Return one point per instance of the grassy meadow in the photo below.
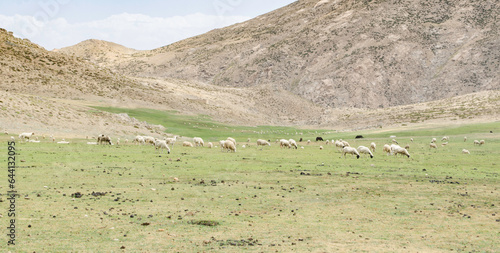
(128, 198)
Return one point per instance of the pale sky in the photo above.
(146, 24)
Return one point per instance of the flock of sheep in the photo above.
(229, 145)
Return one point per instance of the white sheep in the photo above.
(162, 144)
(25, 136)
(411, 139)
(407, 147)
(187, 144)
(229, 146)
(373, 146)
(345, 143)
(365, 150)
(171, 141)
(399, 150)
(445, 138)
(221, 143)
(261, 142)
(387, 149)
(231, 139)
(349, 150)
(465, 151)
(465, 138)
(394, 141)
(149, 140)
(284, 143)
(210, 145)
(198, 141)
(444, 143)
(118, 141)
(308, 142)
(320, 147)
(433, 140)
(481, 142)
(12, 138)
(139, 140)
(432, 145)
(339, 144)
(293, 143)
(476, 142)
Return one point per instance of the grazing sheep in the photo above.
(411, 139)
(221, 143)
(231, 139)
(104, 139)
(481, 142)
(149, 140)
(284, 143)
(373, 146)
(162, 144)
(340, 145)
(433, 140)
(349, 150)
(394, 141)
(210, 145)
(432, 145)
(171, 141)
(198, 141)
(476, 142)
(327, 142)
(465, 151)
(308, 142)
(25, 136)
(319, 139)
(139, 140)
(261, 142)
(365, 150)
(445, 138)
(465, 138)
(12, 138)
(320, 147)
(187, 144)
(407, 146)
(444, 144)
(293, 143)
(346, 144)
(399, 150)
(229, 146)
(387, 149)
(248, 140)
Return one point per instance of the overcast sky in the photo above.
(146, 24)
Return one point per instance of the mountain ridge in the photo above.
(363, 54)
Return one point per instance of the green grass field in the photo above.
(258, 199)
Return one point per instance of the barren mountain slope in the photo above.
(364, 54)
(103, 53)
(28, 68)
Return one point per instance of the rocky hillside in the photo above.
(344, 53)
(30, 69)
(102, 53)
